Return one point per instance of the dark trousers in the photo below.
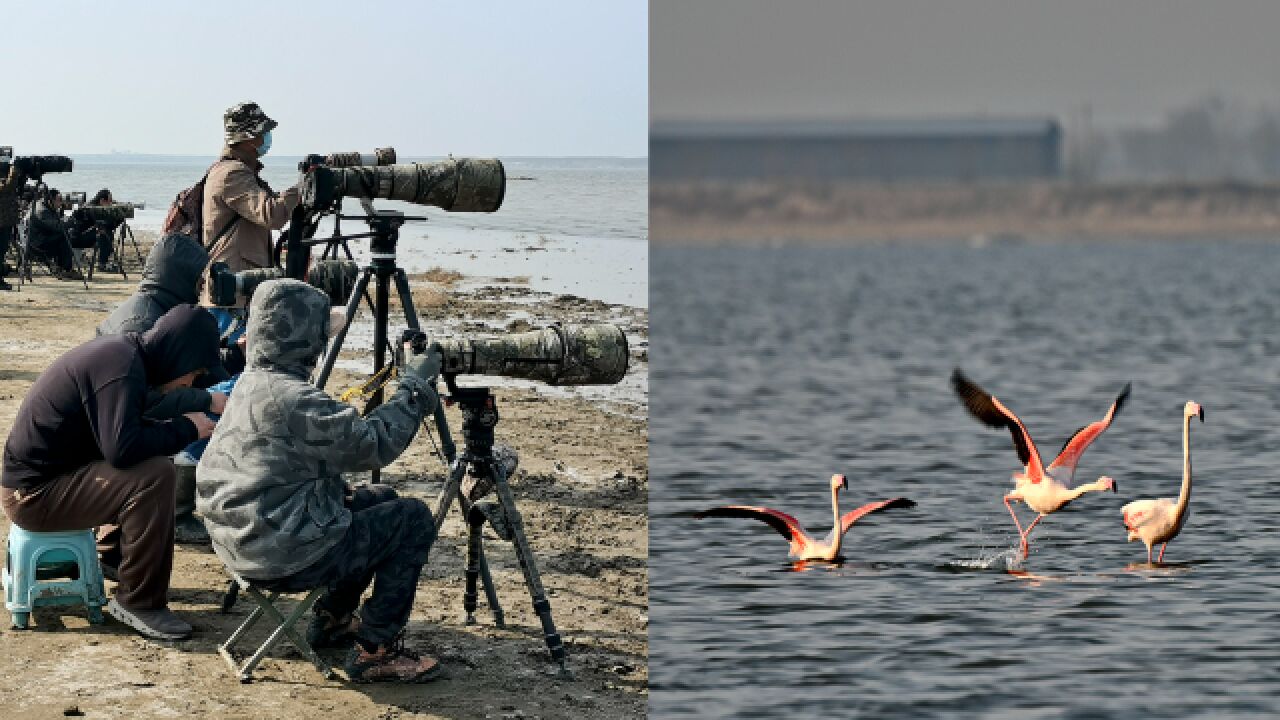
(138, 499)
(7, 235)
(387, 544)
(94, 237)
(56, 249)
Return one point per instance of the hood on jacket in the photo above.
(174, 266)
(182, 340)
(288, 327)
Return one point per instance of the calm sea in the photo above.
(567, 225)
(774, 368)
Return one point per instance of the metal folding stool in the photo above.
(283, 627)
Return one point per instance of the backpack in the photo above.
(186, 213)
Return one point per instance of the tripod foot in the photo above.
(470, 619)
(498, 619)
(562, 671)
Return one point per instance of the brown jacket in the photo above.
(234, 188)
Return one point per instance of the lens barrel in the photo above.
(455, 185)
(556, 355)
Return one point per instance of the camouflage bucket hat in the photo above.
(244, 121)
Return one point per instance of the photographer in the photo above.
(240, 208)
(11, 182)
(271, 490)
(85, 232)
(47, 235)
(169, 278)
(81, 454)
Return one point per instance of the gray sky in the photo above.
(1131, 59)
(500, 77)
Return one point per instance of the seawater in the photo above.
(775, 367)
(567, 225)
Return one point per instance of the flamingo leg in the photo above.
(1022, 536)
(1148, 554)
(1162, 547)
(1026, 546)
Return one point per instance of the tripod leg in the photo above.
(490, 592)
(524, 554)
(331, 355)
(75, 262)
(447, 445)
(474, 527)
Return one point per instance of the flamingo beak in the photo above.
(1201, 413)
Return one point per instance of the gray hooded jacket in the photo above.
(269, 485)
(169, 278)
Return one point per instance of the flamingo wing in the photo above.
(991, 412)
(1080, 441)
(849, 518)
(787, 526)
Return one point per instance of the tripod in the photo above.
(382, 268)
(118, 250)
(479, 417)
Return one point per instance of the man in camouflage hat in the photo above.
(240, 208)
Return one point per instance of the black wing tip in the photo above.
(1123, 397)
(901, 502)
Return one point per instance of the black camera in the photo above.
(335, 278)
(35, 166)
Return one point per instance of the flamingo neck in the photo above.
(1095, 486)
(835, 511)
(1184, 495)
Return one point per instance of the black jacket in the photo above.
(45, 228)
(87, 406)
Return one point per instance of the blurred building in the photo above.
(873, 150)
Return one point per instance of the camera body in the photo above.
(334, 278)
(74, 198)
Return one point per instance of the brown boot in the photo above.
(391, 663)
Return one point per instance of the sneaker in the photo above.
(328, 631)
(391, 663)
(4, 285)
(72, 274)
(189, 530)
(159, 624)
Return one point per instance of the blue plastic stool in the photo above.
(35, 559)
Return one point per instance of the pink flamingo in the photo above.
(1159, 521)
(1043, 490)
(803, 545)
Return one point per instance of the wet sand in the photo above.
(582, 490)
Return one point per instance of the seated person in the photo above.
(85, 232)
(81, 454)
(47, 235)
(271, 491)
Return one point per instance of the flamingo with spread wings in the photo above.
(803, 545)
(1044, 490)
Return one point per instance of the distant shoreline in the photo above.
(770, 212)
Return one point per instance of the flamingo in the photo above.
(1160, 520)
(803, 545)
(1044, 490)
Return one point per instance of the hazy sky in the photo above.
(500, 77)
(1131, 59)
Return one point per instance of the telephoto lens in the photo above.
(556, 355)
(455, 185)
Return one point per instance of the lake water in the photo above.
(567, 225)
(773, 368)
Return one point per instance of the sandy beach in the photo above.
(766, 212)
(582, 489)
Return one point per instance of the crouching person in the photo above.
(270, 488)
(81, 454)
